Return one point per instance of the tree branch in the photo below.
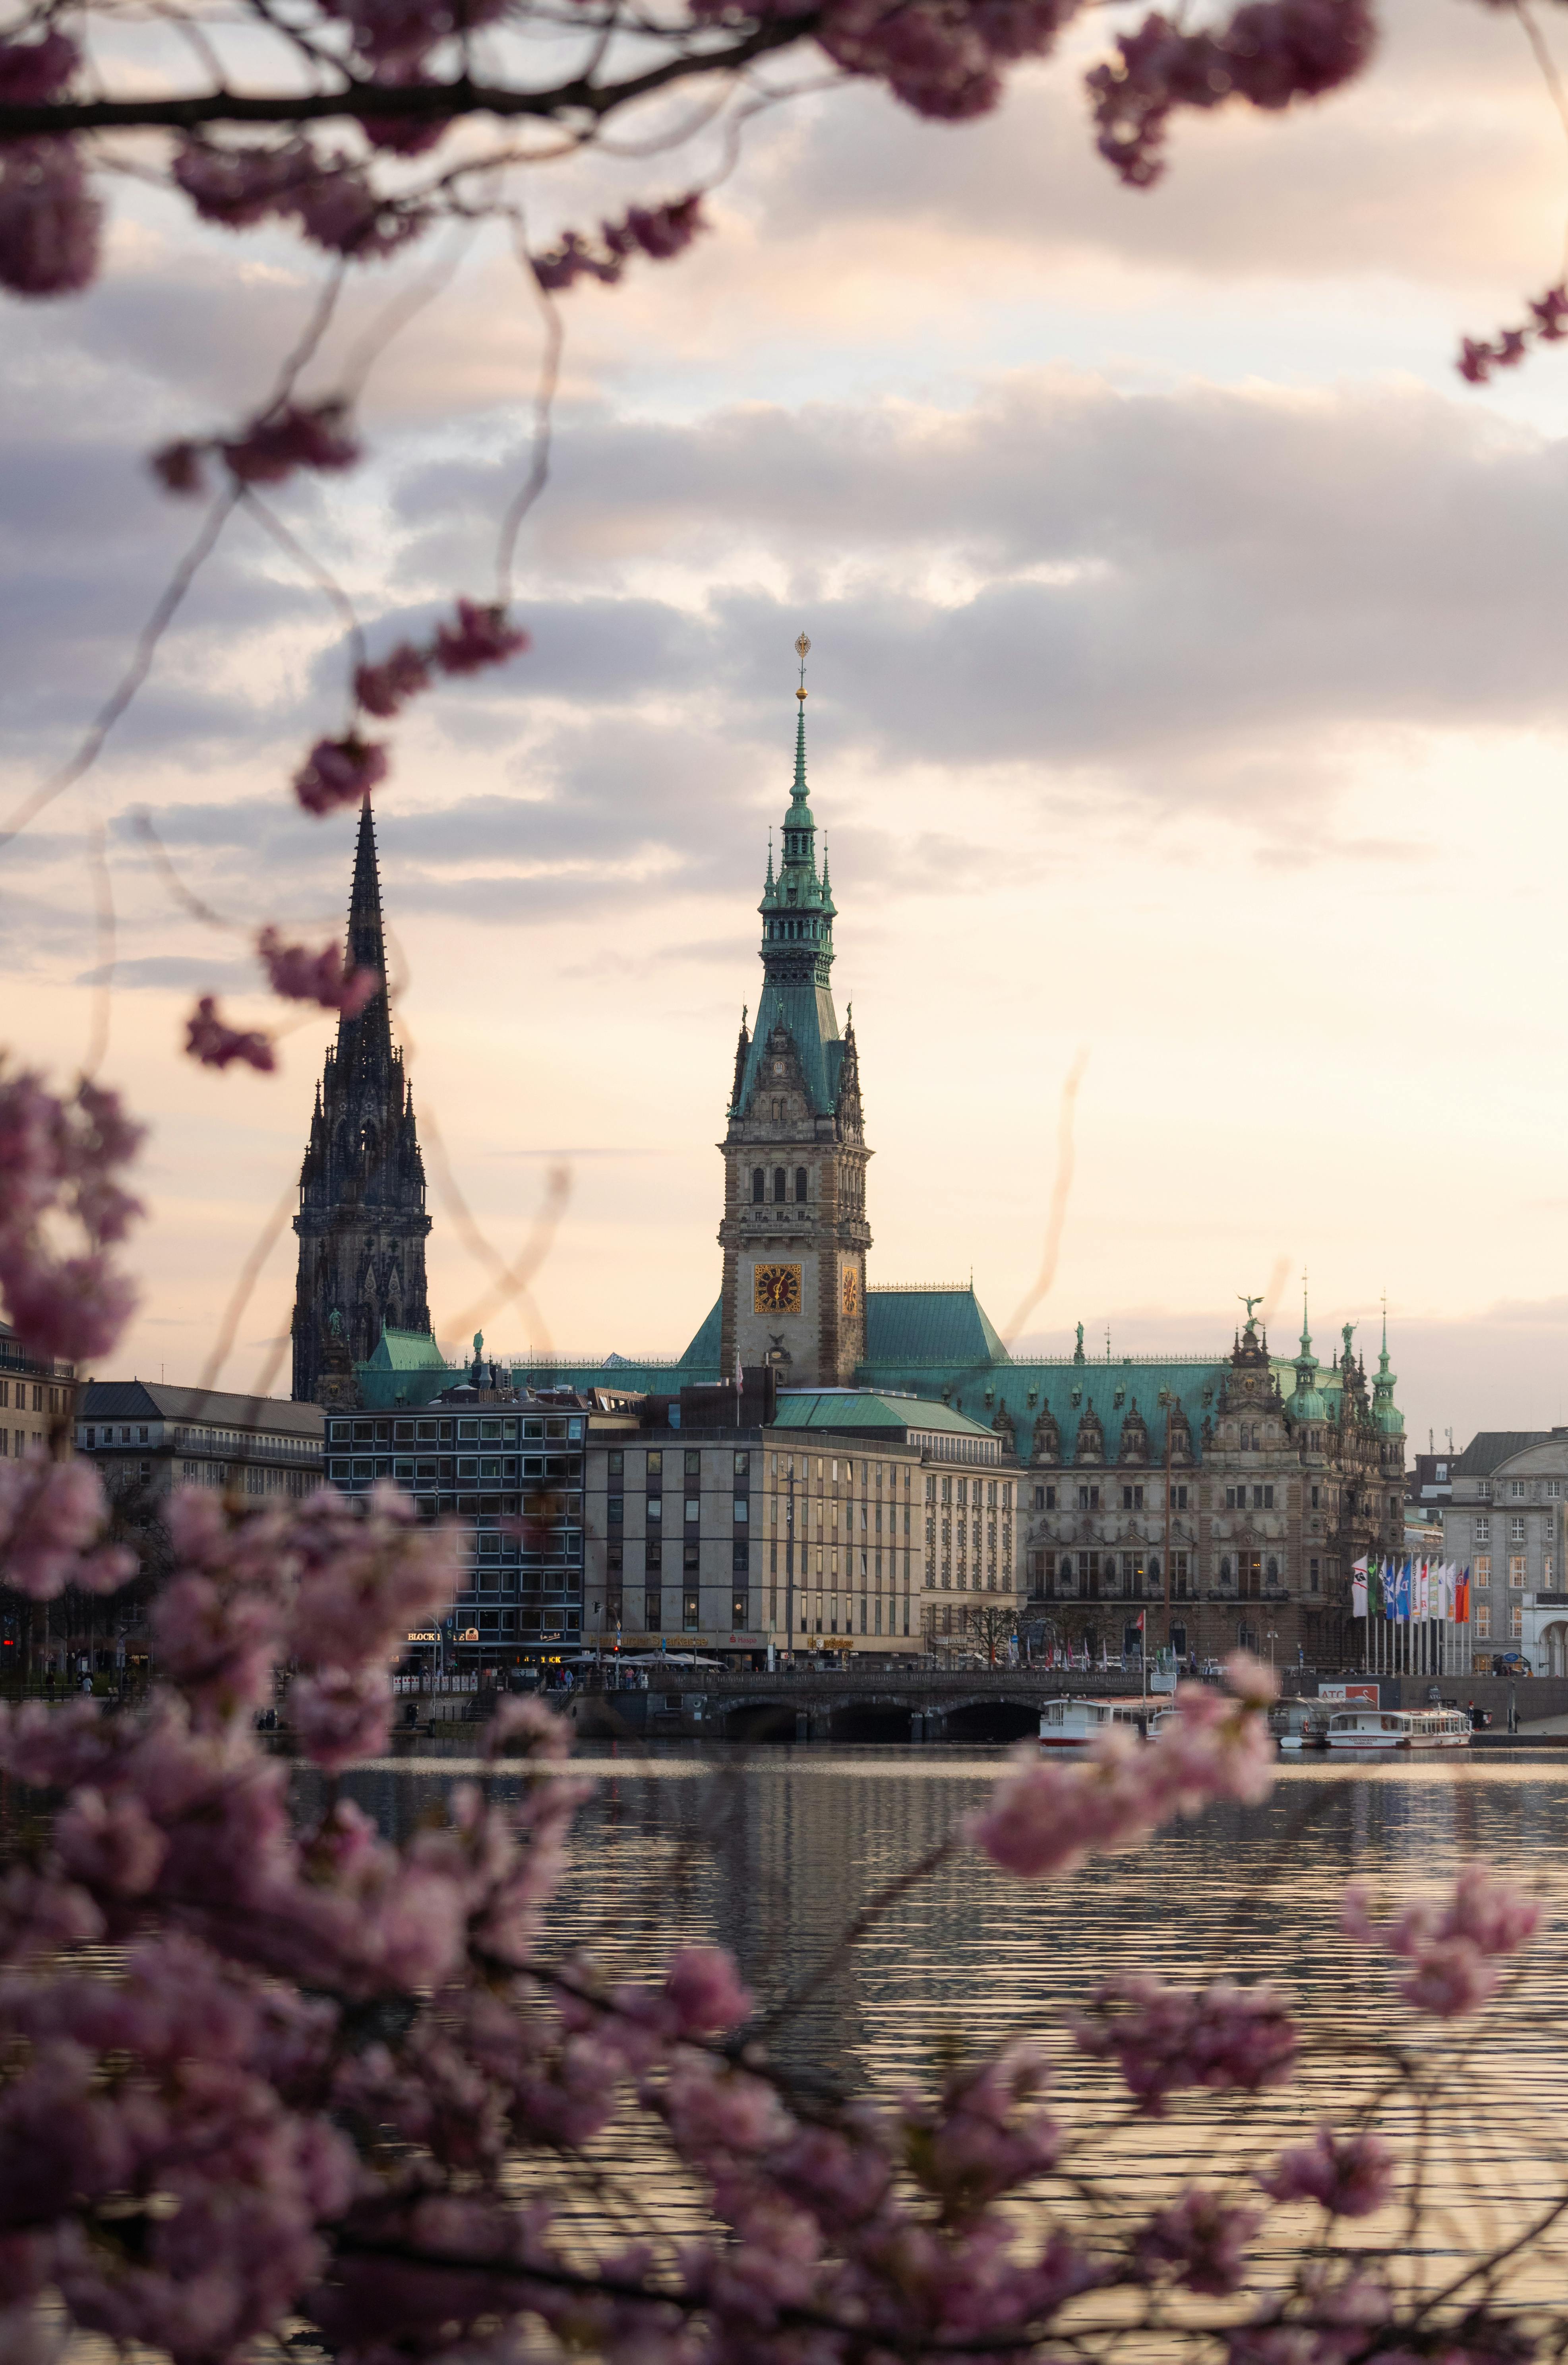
(401, 101)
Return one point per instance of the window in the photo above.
(738, 1611)
(615, 1512)
(1516, 1622)
(655, 1469)
(740, 1559)
(1483, 1531)
(1178, 1499)
(693, 1509)
(1313, 1577)
(1088, 1499)
(1044, 1498)
(1515, 1532)
(1482, 1568)
(615, 1463)
(1516, 1572)
(758, 1186)
(689, 1609)
(1482, 1613)
(800, 1185)
(779, 1179)
(652, 1618)
(743, 1466)
(1132, 1498)
(1553, 1489)
(694, 1465)
(1314, 1505)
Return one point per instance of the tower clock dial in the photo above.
(777, 1289)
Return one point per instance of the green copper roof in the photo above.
(406, 1351)
(704, 1348)
(797, 911)
(866, 1411)
(910, 1326)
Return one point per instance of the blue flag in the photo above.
(1403, 1611)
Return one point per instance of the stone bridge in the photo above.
(811, 1704)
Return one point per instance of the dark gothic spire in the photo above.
(362, 1220)
(364, 1044)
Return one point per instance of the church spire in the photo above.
(368, 1037)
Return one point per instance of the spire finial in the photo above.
(803, 650)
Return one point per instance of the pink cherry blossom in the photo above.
(31, 71)
(660, 232)
(341, 1714)
(480, 637)
(338, 772)
(1350, 2175)
(216, 1044)
(51, 1521)
(300, 975)
(49, 220)
(1200, 2239)
(1221, 2036)
(1452, 1945)
(383, 690)
(299, 435)
(111, 1846)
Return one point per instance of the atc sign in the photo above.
(1358, 1695)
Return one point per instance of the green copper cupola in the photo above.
(1386, 1414)
(798, 914)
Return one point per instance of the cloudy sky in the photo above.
(1188, 692)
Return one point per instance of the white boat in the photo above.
(1299, 1724)
(1074, 1723)
(1399, 1728)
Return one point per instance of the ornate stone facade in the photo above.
(1254, 1525)
(794, 1233)
(362, 1220)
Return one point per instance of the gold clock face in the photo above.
(777, 1288)
(851, 1292)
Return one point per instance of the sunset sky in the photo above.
(1188, 689)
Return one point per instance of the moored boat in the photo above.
(1074, 1723)
(1399, 1728)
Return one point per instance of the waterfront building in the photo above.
(145, 1440)
(835, 1520)
(362, 1220)
(1241, 1485)
(1505, 1524)
(507, 1466)
(35, 1393)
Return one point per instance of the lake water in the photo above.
(773, 1853)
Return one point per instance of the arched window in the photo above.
(801, 1183)
(779, 1182)
(758, 1186)
(1273, 1570)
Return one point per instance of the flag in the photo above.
(1141, 1621)
(1358, 1589)
(738, 1380)
(1421, 1607)
(1401, 1602)
(1462, 1599)
(1377, 1592)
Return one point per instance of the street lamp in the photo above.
(1272, 1638)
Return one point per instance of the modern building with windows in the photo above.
(508, 1467)
(1506, 1523)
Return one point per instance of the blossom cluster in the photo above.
(61, 1157)
(1547, 325)
(331, 197)
(268, 451)
(213, 1043)
(1271, 52)
(341, 771)
(1049, 1814)
(297, 974)
(1455, 1948)
(660, 232)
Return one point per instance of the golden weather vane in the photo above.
(803, 650)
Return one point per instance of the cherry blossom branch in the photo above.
(425, 101)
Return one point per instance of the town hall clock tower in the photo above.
(794, 1233)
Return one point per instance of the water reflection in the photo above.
(772, 1855)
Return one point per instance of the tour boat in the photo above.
(1399, 1728)
(1299, 1724)
(1074, 1723)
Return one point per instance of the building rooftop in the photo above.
(1491, 1446)
(865, 1412)
(219, 1407)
